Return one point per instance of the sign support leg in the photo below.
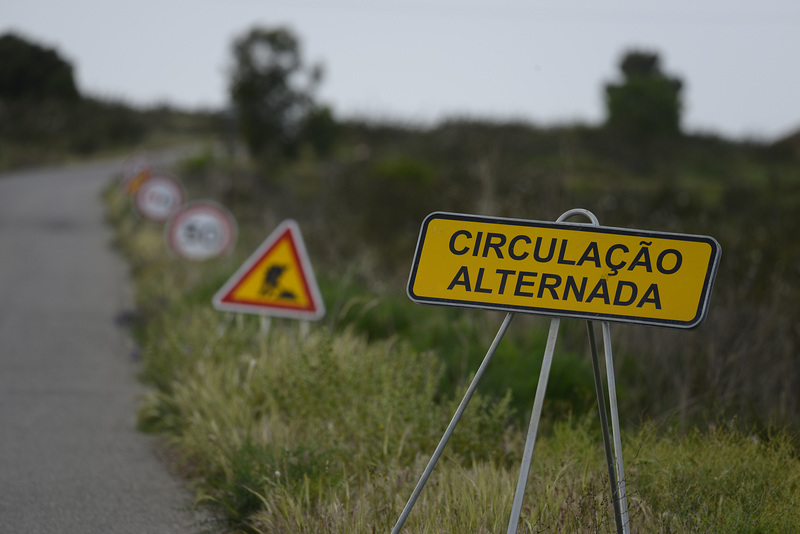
(601, 404)
(451, 427)
(533, 427)
(264, 324)
(612, 398)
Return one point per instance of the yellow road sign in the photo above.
(276, 280)
(564, 269)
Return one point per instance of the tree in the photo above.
(648, 102)
(33, 72)
(271, 91)
(320, 130)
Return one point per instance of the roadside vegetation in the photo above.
(329, 433)
(282, 431)
(46, 119)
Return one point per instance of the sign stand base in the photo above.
(616, 476)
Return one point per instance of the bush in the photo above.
(647, 103)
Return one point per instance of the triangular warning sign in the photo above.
(275, 280)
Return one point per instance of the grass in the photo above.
(722, 481)
(330, 431)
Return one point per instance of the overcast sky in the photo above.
(422, 60)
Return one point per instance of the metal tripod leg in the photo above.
(451, 427)
(601, 404)
(612, 398)
(533, 427)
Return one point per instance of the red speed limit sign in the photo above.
(201, 230)
(159, 197)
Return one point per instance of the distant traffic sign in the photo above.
(158, 197)
(201, 230)
(564, 269)
(135, 171)
(276, 280)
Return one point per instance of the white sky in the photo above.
(422, 60)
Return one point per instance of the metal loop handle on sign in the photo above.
(579, 211)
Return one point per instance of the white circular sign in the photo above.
(159, 197)
(201, 230)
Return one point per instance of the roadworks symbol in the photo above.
(276, 280)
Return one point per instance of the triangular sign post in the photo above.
(276, 280)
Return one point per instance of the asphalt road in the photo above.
(71, 460)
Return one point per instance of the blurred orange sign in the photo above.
(135, 171)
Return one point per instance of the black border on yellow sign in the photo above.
(702, 309)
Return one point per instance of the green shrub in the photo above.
(721, 481)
